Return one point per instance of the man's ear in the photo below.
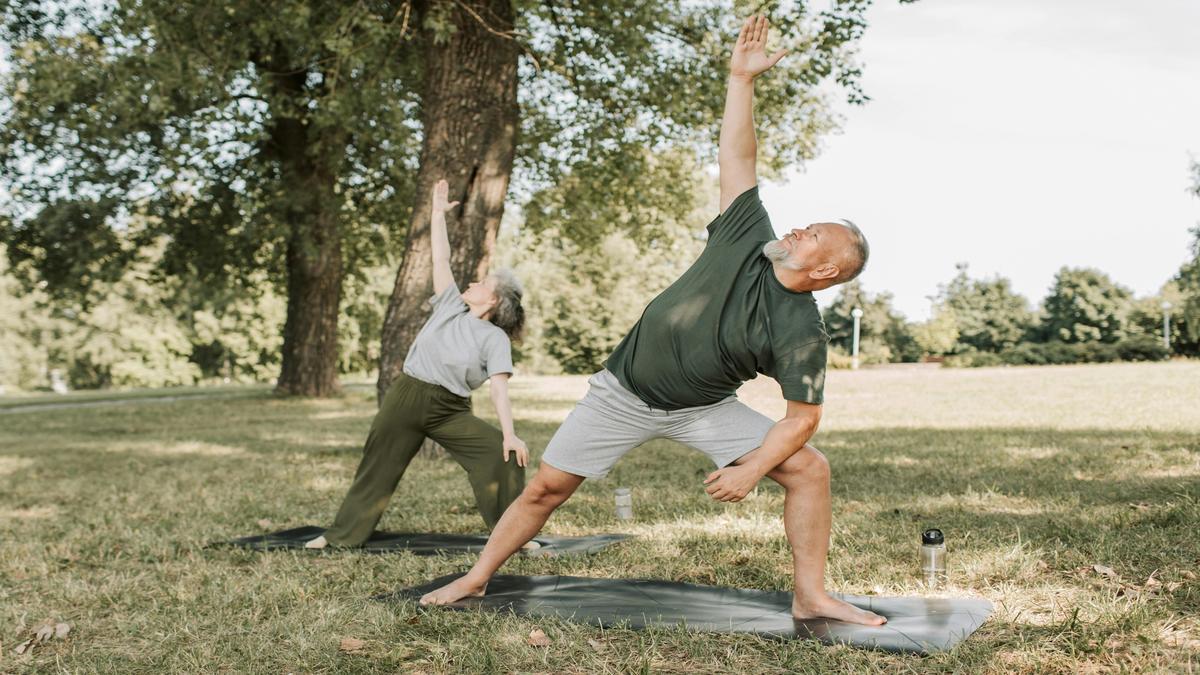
(824, 271)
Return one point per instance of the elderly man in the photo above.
(744, 307)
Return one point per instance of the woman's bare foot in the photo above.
(317, 543)
(462, 587)
(831, 608)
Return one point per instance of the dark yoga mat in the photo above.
(917, 625)
(425, 544)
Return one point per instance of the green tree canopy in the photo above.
(987, 315)
(1085, 305)
(882, 327)
(300, 139)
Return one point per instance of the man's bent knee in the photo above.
(807, 465)
(550, 487)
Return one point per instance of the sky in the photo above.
(1017, 136)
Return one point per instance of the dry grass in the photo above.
(1036, 475)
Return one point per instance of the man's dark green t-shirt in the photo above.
(727, 318)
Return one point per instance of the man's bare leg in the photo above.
(522, 520)
(808, 519)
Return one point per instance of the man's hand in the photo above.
(750, 58)
(516, 446)
(732, 483)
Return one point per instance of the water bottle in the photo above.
(624, 501)
(933, 558)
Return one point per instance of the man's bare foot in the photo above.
(828, 607)
(454, 591)
(318, 543)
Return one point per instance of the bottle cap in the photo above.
(932, 537)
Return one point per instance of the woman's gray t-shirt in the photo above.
(455, 349)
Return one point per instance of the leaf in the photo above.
(23, 647)
(1188, 574)
(1106, 571)
(61, 630)
(43, 633)
(597, 646)
(537, 638)
(351, 645)
(414, 620)
(265, 523)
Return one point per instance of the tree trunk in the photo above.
(470, 117)
(312, 211)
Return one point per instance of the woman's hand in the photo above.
(516, 445)
(441, 191)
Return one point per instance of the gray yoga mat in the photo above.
(425, 544)
(915, 625)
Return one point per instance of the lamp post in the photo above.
(857, 314)
(1166, 308)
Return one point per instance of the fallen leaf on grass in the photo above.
(1106, 571)
(351, 645)
(42, 634)
(264, 523)
(414, 620)
(1151, 582)
(1188, 574)
(537, 638)
(597, 646)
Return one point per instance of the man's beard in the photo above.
(777, 253)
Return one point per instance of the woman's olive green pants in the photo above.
(412, 410)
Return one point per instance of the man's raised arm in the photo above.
(738, 149)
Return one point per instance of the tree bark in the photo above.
(312, 211)
(470, 117)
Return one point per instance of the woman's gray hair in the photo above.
(508, 313)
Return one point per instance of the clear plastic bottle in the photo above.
(933, 558)
(624, 499)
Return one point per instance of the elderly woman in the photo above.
(465, 341)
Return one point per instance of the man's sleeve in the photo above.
(746, 216)
(498, 354)
(800, 370)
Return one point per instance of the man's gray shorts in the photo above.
(610, 421)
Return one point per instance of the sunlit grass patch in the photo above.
(1039, 477)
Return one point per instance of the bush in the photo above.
(1056, 352)
(1024, 354)
(871, 351)
(1142, 348)
(973, 359)
(1097, 352)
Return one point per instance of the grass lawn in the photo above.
(1037, 475)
